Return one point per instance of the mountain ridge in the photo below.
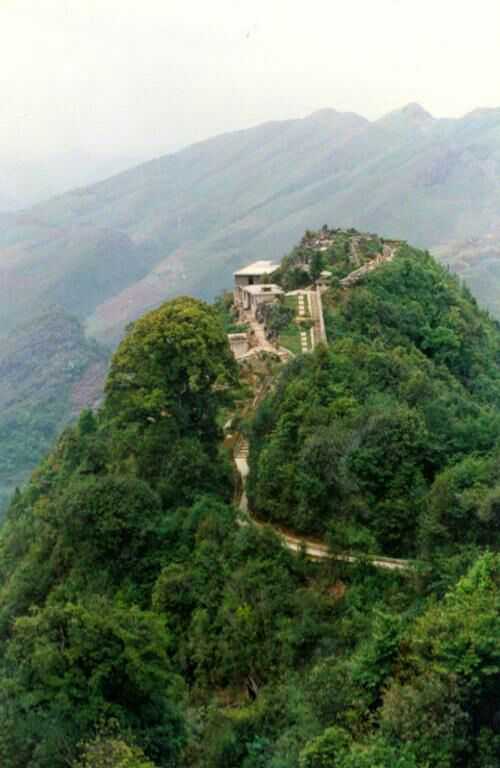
(144, 622)
(186, 220)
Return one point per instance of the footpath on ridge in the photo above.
(312, 549)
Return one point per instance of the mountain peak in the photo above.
(416, 111)
(412, 116)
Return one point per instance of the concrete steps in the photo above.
(242, 450)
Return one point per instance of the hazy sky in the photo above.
(141, 76)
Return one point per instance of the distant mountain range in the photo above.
(184, 222)
(26, 181)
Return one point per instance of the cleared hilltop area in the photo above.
(279, 307)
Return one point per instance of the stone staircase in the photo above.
(242, 449)
(358, 274)
(318, 333)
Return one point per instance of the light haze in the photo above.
(132, 79)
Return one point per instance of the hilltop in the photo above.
(406, 390)
(183, 222)
(145, 623)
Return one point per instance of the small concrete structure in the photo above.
(255, 295)
(252, 287)
(254, 274)
(239, 344)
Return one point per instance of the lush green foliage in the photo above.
(142, 626)
(224, 306)
(83, 546)
(168, 366)
(112, 752)
(364, 440)
(275, 317)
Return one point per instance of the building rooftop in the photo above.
(258, 268)
(258, 290)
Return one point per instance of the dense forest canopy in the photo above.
(362, 439)
(143, 626)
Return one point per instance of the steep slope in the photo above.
(358, 441)
(477, 261)
(143, 626)
(49, 371)
(183, 222)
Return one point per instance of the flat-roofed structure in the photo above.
(257, 273)
(252, 286)
(257, 270)
(253, 296)
(239, 344)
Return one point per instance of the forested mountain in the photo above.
(370, 440)
(142, 624)
(49, 371)
(183, 222)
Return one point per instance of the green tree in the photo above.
(68, 666)
(175, 363)
(111, 752)
(108, 521)
(327, 750)
(316, 265)
(378, 753)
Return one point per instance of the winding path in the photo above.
(312, 549)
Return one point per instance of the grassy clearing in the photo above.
(292, 302)
(290, 338)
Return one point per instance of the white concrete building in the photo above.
(252, 287)
(254, 295)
